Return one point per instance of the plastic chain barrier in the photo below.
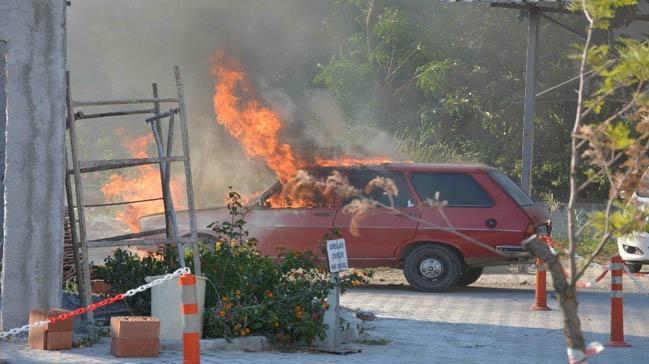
(636, 281)
(94, 306)
(581, 284)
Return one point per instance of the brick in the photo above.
(61, 340)
(59, 326)
(134, 327)
(135, 348)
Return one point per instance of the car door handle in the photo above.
(322, 214)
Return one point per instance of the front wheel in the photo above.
(634, 267)
(469, 276)
(432, 268)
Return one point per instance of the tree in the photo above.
(609, 140)
(441, 78)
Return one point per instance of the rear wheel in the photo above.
(469, 276)
(634, 267)
(432, 268)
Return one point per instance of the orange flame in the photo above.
(255, 126)
(142, 184)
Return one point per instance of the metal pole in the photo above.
(86, 299)
(188, 172)
(529, 103)
(164, 180)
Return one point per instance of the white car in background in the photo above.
(634, 248)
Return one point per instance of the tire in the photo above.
(442, 266)
(634, 267)
(469, 276)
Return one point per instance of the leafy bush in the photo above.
(124, 271)
(283, 300)
(247, 293)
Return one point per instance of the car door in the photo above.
(382, 231)
(297, 228)
(489, 218)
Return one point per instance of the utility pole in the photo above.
(529, 103)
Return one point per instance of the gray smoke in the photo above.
(118, 48)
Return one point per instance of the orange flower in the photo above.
(221, 313)
(268, 294)
(247, 330)
(326, 306)
(225, 298)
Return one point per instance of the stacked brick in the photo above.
(53, 336)
(135, 336)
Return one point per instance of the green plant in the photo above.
(124, 271)
(282, 300)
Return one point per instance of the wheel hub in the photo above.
(431, 268)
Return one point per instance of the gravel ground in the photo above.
(490, 321)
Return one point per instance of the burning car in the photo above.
(481, 203)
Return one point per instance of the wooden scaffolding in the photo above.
(74, 181)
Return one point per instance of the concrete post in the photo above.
(34, 31)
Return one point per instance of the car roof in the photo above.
(414, 167)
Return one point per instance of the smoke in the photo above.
(116, 49)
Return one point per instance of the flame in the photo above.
(256, 126)
(143, 183)
(349, 161)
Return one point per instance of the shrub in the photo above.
(124, 271)
(247, 293)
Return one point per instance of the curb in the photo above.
(250, 343)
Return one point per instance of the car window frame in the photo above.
(380, 172)
(486, 192)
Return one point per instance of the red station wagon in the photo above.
(482, 203)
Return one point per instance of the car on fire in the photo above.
(480, 202)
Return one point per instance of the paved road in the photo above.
(468, 325)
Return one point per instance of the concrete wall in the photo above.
(34, 31)
(3, 128)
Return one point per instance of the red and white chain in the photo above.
(94, 306)
(582, 284)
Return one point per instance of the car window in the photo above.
(455, 188)
(360, 179)
(512, 189)
(277, 197)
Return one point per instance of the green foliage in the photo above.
(124, 271)
(248, 293)
(441, 78)
(600, 11)
(282, 300)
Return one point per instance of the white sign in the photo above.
(337, 255)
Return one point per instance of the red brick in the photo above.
(51, 340)
(59, 326)
(135, 348)
(134, 327)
